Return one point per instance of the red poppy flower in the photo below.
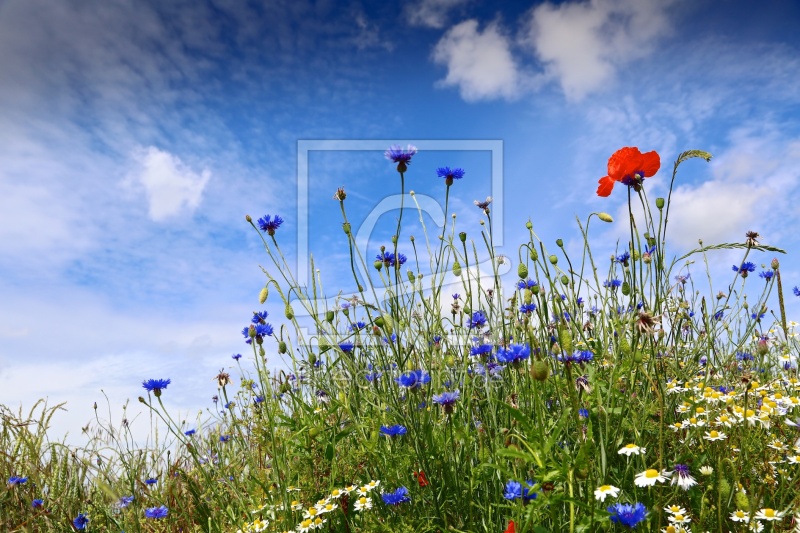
(628, 166)
(421, 479)
(511, 527)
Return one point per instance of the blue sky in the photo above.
(134, 136)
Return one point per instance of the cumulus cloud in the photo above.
(171, 187)
(583, 43)
(431, 13)
(478, 62)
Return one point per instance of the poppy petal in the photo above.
(624, 162)
(605, 187)
(511, 527)
(650, 163)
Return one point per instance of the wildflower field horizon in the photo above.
(590, 395)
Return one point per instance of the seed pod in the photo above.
(560, 243)
(540, 370)
(626, 288)
(378, 265)
(724, 489)
(534, 255)
(346, 228)
(605, 217)
(535, 289)
(289, 312)
(529, 225)
(565, 339)
(329, 316)
(462, 236)
(312, 357)
(553, 259)
(774, 263)
(522, 271)
(281, 347)
(660, 203)
(741, 501)
(261, 351)
(565, 280)
(457, 269)
(262, 296)
(379, 321)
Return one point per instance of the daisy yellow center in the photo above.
(769, 513)
(605, 488)
(723, 418)
(651, 473)
(679, 517)
(750, 413)
(312, 511)
(739, 514)
(670, 529)
(335, 493)
(318, 521)
(362, 501)
(699, 410)
(329, 507)
(693, 420)
(674, 508)
(630, 446)
(294, 502)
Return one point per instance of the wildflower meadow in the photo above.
(611, 389)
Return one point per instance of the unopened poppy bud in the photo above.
(411, 277)
(262, 296)
(457, 269)
(462, 236)
(553, 259)
(605, 217)
(660, 203)
(535, 289)
(774, 263)
(346, 228)
(522, 271)
(534, 255)
(378, 265)
(289, 312)
(560, 243)
(394, 239)
(379, 321)
(329, 316)
(281, 347)
(248, 218)
(626, 288)
(565, 280)
(529, 225)
(312, 357)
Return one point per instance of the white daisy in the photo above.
(363, 503)
(631, 449)
(769, 514)
(740, 516)
(715, 435)
(650, 477)
(600, 493)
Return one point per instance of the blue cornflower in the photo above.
(515, 353)
(397, 497)
(263, 330)
(259, 318)
(388, 258)
(156, 512)
(224, 438)
(401, 156)
(623, 258)
(481, 349)
(447, 400)
(229, 405)
(236, 356)
(682, 279)
(766, 274)
(124, 501)
(579, 301)
(391, 338)
(526, 284)
(269, 224)
(450, 174)
(258, 399)
(393, 431)
(477, 320)
(37, 503)
(718, 315)
(372, 376)
(413, 380)
(246, 334)
(578, 357)
(345, 305)
(190, 432)
(796, 291)
(758, 316)
(627, 514)
(744, 356)
(514, 490)
(745, 268)
(527, 309)
(16, 480)
(583, 413)
(151, 481)
(612, 283)
(346, 347)
(437, 339)
(80, 521)
(358, 325)
(456, 296)
(156, 385)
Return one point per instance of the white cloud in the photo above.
(171, 187)
(479, 63)
(583, 43)
(431, 13)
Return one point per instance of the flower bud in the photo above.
(261, 351)
(535, 289)
(312, 357)
(626, 288)
(378, 265)
(560, 243)
(553, 259)
(289, 312)
(462, 236)
(281, 347)
(565, 339)
(660, 203)
(529, 225)
(346, 228)
(411, 277)
(262, 296)
(605, 217)
(522, 271)
(329, 316)
(534, 255)
(774, 263)
(394, 239)
(457, 269)
(540, 370)
(248, 218)
(379, 321)
(346, 311)
(565, 280)
(285, 387)
(141, 400)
